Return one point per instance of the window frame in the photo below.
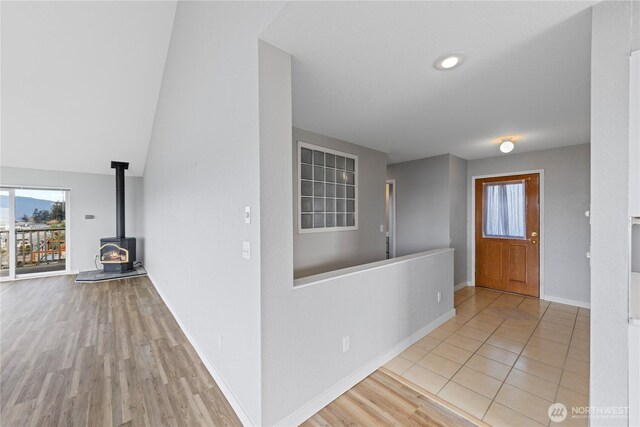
(524, 209)
(301, 145)
(11, 188)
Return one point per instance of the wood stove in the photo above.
(117, 254)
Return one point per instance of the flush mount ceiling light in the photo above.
(448, 62)
(507, 146)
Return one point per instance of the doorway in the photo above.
(507, 233)
(390, 227)
(33, 231)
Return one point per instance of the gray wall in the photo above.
(431, 207)
(458, 215)
(635, 45)
(315, 253)
(302, 327)
(90, 194)
(635, 30)
(202, 169)
(610, 50)
(566, 229)
(422, 204)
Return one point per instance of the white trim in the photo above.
(12, 232)
(392, 219)
(301, 145)
(34, 187)
(67, 232)
(634, 375)
(566, 301)
(305, 412)
(542, 239)
(30, 276)
(11, 241)
(462, 285)
(307, 281)
(244, 417)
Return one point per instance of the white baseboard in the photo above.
(461, 285)
(305, 412)
(565, 301)
(542, 297)
(233, 401)
(308, 410)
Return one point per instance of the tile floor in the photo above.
(504, 358)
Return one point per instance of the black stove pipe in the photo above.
(120, 167)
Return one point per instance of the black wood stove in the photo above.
(117, 254)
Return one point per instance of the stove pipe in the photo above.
(120, 167)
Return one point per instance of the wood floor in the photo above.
(380, 400)
(111, 354)
(104, 354)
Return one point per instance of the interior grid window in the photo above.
(327, 189)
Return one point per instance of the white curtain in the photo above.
(504, 210)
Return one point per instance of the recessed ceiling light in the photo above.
(448, 62)
(507, 146)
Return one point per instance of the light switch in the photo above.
(247, 214)
(246, 250)
(345, 344)
(381, 228)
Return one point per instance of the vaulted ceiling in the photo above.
(80, 82)
(364, 72)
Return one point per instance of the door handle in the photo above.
(533, 240)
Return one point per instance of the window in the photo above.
(503, 213)
(33, 231)
(327, 189)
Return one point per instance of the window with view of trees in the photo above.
(34, 235)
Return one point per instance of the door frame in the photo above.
(392, 218)
(542, 239)
(67, 234)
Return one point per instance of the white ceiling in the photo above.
(363, 72)
(80, 82)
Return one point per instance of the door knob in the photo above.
(534, 241)
(534, 234)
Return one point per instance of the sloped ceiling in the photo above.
(80, 82)
(363, 72)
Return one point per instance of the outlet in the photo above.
(345, 344)
(439, 296)
(246, 250)
(247, 214)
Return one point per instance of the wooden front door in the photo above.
(508, 233)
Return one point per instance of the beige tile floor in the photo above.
(504, 358)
